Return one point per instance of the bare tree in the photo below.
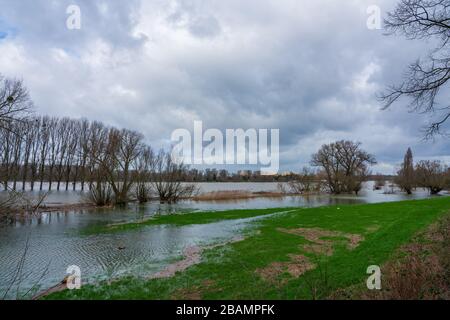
(78, 135)
(355, 163)
(144, 165)
(122, 150)
(55, 144)
(115, 156)
(14, 102)
(17, 150)
(129, 150)
(405, 177)
(345, 165)
(167, 179)
(431, 175)
(305, 181)
(100, 190)
(6, 136)
(427, 20)
(60, 138)
(36, 143)
(72, 145)
(44, 149)
(28, 141)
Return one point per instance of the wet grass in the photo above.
(230, 272)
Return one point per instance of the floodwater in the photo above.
(367, 195)
(52, 242)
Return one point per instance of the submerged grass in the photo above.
(184, 219)
(231, 271)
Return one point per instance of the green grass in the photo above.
(229, 272)
(184, 219)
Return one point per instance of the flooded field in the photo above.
(48, 244)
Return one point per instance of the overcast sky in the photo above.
(310, 68)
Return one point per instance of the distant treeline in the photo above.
(62, 153)
(48, 153)
(57, 154)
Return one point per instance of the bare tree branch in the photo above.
(424, 79)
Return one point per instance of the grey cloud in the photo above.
(43, 22)
(310, 68)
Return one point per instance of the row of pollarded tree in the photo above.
(430, 174)
(44, 149)
(115, 165)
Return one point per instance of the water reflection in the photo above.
(52, 248)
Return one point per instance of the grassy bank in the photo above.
(302, 254)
